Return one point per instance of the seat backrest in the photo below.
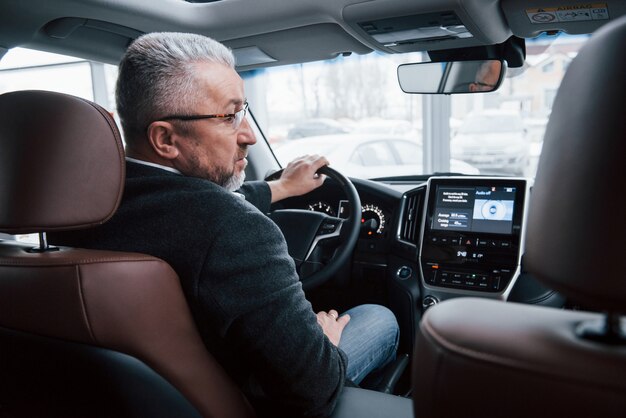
(87, 332)
(475, 357)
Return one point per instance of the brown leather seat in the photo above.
(480, 358)
(84, 332)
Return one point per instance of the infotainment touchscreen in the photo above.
(474, 209)
(472, 232)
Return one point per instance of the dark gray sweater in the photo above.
(239, 280)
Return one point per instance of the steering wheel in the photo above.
(320, 244)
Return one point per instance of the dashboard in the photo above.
(426, 241)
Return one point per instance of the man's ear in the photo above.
(160, 137)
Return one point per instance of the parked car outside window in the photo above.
(494, 141)
(366, 156)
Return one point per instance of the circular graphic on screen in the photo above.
(493, 210)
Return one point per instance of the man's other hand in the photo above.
(298, 178)
(332, 324)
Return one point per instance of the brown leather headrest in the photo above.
(61, 163)
(576, 238)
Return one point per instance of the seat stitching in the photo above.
(53, 262)
(83, 306)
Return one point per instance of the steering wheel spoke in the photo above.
(318, 243)
(329, 229)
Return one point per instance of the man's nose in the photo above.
(246, 134)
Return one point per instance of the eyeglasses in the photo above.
(234, 119)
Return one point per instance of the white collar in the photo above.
(155, 165)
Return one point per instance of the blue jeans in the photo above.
(370, 340)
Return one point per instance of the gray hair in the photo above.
(157, 77)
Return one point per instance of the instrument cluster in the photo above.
(373, 218)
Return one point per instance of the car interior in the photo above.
(508, 289)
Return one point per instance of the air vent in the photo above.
(411, 216)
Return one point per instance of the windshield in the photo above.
(351, 109)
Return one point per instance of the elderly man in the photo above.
(182, 107)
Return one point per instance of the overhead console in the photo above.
(472, 236)
(399, 26)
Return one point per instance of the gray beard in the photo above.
(234, 182)
(229, 181)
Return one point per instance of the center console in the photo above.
(472, 236)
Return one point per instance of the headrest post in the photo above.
(43, 245)
(43, 242)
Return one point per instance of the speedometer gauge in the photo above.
(322, 207)
(375, 218)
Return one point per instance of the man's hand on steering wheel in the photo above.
(298, 178)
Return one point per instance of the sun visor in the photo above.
(530, 18)
(308, 43)
(88, 38)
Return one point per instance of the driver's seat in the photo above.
(86, 332)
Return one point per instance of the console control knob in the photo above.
(429, 301)
(404, 272)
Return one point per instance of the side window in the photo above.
(373, 154)
(25, 69)
(70, 78)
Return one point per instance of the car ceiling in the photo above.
(286, 31)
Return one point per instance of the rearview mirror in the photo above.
(451, 77)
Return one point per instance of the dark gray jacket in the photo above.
(239, 280)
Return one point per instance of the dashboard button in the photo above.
(470, 279)
(434, 240)
(457, 278)
(468, 241)
(505, 244)
(405, 272)
(482, 242)
(429, 301)
(483, 281)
